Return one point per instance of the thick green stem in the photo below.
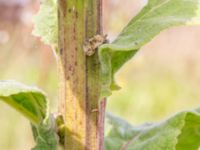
(80, 20)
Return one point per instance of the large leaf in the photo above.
(46, 23)
(30, 101)
(180, 132)
(156, 16)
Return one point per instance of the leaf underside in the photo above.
(30, 101)
(180, 132)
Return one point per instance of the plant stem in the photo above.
(79, 74)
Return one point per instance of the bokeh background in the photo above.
(163, 78)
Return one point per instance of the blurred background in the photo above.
(163, 78)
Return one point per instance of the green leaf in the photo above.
(46, 23)
(180, 132)
(156, 16)
(30, 101)
(45, 135)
